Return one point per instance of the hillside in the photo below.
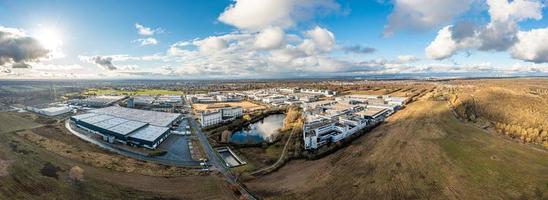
(31, 171)
(421, 152)
(516, 108)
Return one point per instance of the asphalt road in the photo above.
(215, 160)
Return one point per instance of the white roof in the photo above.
(127, 127)
(95, 119)
(83, 116)
(149, 133)
(151, 117)
(56, 109)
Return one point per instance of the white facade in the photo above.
(212, 118)
(232, 112)
(327, 93)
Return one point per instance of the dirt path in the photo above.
(280, 160)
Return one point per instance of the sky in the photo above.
(241, 39)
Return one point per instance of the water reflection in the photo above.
(259, 131)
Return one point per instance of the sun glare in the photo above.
(49, 37)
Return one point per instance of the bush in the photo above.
(157, 153)
(76, 173)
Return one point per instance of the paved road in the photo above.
(215, 159)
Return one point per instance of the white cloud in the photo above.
(500, 34)
(423, 14)
(532, 46)
(146, 41)
(407, 58)
(270, 38)
(502, 10)
(147, 31)
(443, 46)
(211, 44)
(259, 14)
(318, 40)
(56, 67)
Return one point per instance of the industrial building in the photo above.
(97, 101)
(128, 126)
(210, 118)
(49, 110)
(220, 116)
(212, 97)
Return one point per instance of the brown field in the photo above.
(35, 163)
(15, 121)
(517, 108)
(421, 152)
(246, 105)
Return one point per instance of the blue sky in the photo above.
(285, 38)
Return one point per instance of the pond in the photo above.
(260, 131)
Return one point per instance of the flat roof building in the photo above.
(49, 110)
(151, 117)
(128, 126)
(97, 101)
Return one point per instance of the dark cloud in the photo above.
(104, 62)
(498, 36)
(359, 49)
(20, 66)
(462, 30)
(16, 47)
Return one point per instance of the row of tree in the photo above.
(530, 135)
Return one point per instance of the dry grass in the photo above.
(14, 121)
(104, 160)
(28, 180)
(422, 152)
(518, 107)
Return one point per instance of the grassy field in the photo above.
(14, 121)
(149, 92)
(421, 152)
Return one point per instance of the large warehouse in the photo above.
(128, 126)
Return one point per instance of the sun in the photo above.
(49, 37)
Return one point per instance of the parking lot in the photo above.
(177, 148)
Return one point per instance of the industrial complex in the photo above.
(331, 121)
(128, 126)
